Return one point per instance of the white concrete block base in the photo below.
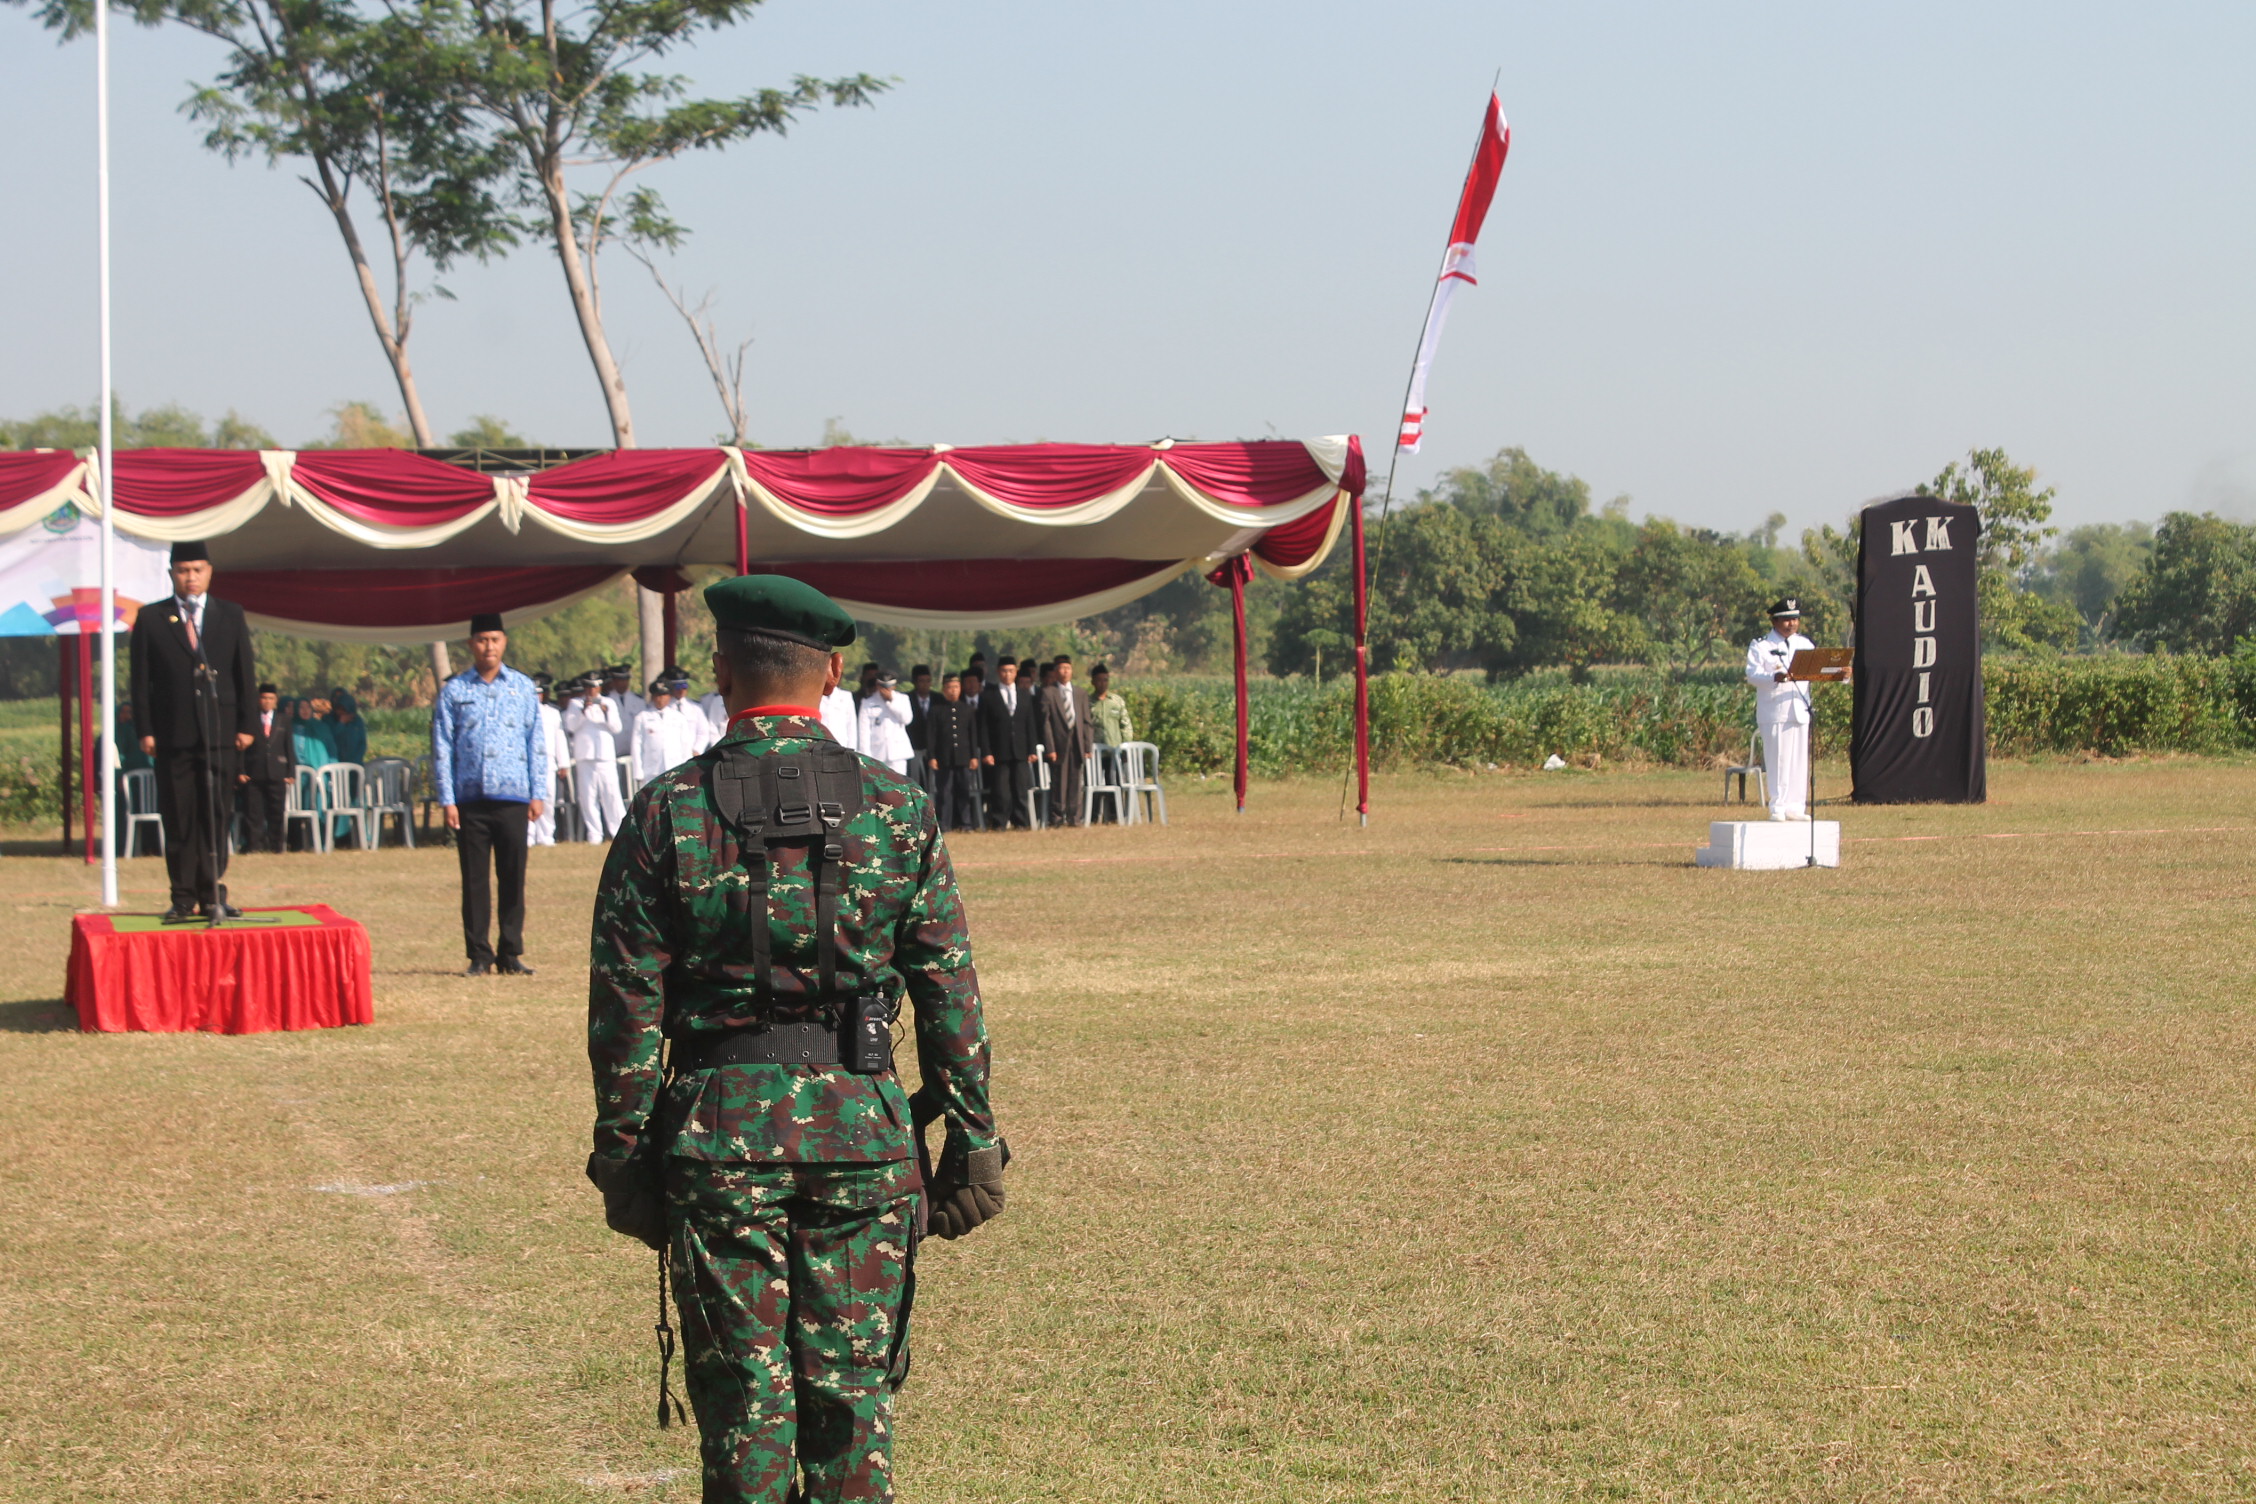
(1770, 845)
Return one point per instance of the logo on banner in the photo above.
(61, 520)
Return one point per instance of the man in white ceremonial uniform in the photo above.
(593, 727)
(668, 734)
(1782, 711)
(617, 689)
(542, 832)
(716, 714)
(884, 727)
(841, 716)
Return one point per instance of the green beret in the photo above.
(778, 606)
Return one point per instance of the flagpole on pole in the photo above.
(1366, 599)
(104, 456)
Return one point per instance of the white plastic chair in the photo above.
(1754, 765)
(304, 803)
(1139, 776)
(141, 809)
(342, 801)
(627, 785)
(1038, 797)
(1095, 785)
(386, 792)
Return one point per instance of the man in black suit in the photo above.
(921, 700)
(196, 702)
(1067, 739)
(950, 757)
(270, 766)
(1008, 731)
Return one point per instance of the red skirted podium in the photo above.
(297, 968)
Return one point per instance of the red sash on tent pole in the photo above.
(1362, 669)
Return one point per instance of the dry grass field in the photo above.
(1491, 1153)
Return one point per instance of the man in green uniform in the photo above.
(763, 908)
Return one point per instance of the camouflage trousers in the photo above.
(789, 1280)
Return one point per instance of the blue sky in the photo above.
(1746, 258)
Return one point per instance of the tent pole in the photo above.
(1240, 567)
(650, 617)
(66, 677)
(90, 788)
(743, 533)
(105, 449)
(1362, 672)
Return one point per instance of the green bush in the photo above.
(29, 792)
(2112, 706)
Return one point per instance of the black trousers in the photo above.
(1067, 775)
(955, 797)
(263, 809)
(494, 827)
(186, 801)
(1007, 783)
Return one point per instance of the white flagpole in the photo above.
(104, 456)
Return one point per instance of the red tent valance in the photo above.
(346, 542)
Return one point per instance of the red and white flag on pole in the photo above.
(1457, 261)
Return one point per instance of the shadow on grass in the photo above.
(44, 1016)
(1567, 859)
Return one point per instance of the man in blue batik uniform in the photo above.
(489, 761)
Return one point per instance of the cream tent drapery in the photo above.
(392, 545)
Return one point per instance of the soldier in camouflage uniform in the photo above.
(777, 1169)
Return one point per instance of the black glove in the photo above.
(634, 1204)
(968, 1190)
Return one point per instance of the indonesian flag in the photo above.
(1457, 261)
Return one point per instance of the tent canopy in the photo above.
(348, 543)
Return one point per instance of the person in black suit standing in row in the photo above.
(1008, 729)
(1068, 737)
(922, 697)
(270, 766)
(950, 758)
(196, 702)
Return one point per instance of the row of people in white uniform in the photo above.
(602, 721)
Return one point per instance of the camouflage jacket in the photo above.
(666, 961)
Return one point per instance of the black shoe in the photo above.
(480, 969)
(225, 911)
(513, 966)
(179, 914)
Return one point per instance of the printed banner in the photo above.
(51, 576)
(1919, 735)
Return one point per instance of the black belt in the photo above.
(777, 1044)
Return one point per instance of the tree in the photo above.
(311, 81)
(554, 92)
(168, 427)
(362, 425)
(1695, 592)
(2090, 567)
(489, 432)
(725, 369)
(1516, 490)
(2014, 514)
(2196, 592)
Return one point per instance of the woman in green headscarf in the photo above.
(312, 737)
(348, 740)
(348, 733)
